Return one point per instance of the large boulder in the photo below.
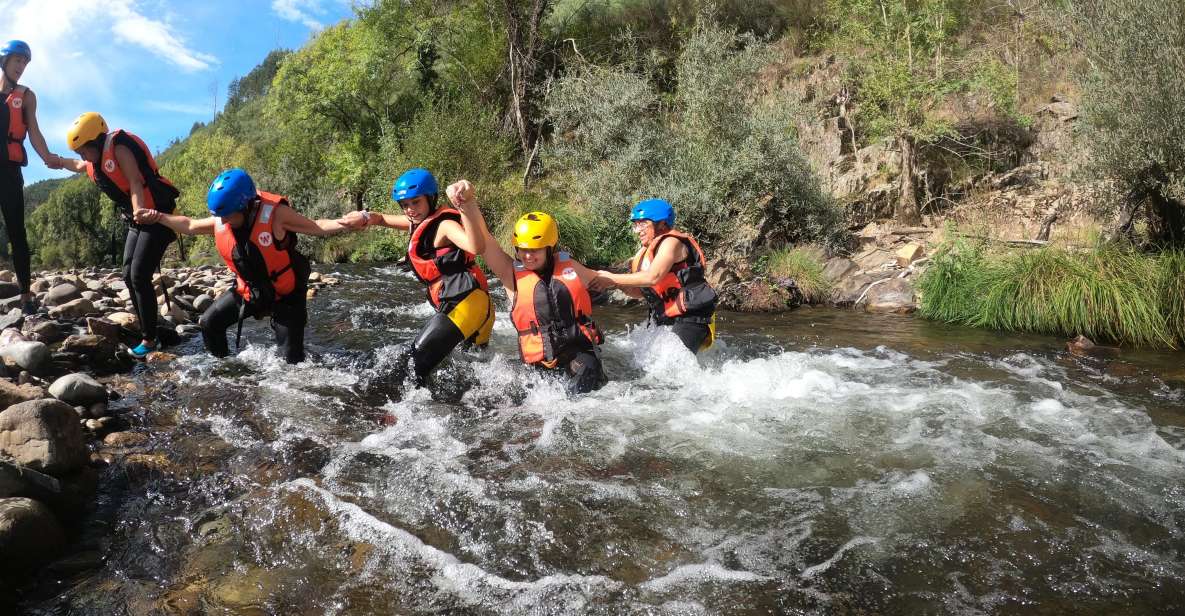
(837, 268)
(62, 294)
(11, 393)
(104, 329)
(48, 332)
(893, 297)
(74, 309)
(78, 389)
(14, 318)
(32, 356)
(30, 536)
(43, 435)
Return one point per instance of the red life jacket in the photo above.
(449, 272)
(277, 258)
(112, 181)
(17, 128)
(681, 291)
(552, 316)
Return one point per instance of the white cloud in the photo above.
(190, 109)
(305, 12)
(156, 36)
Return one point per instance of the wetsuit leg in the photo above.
(222, 314)
(692, 335)
(585, 373)
(142, 253)
(291, 315)
(12, 204)
(474, 316)
(436, 340)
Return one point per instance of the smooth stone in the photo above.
(43, 435)
(75, 309)
(30, 535)
(32, 356)
(79, 389)
(62, 294)
(9, 289)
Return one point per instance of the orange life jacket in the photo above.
(277, 258)
(449, 272)
(681, 293)
(159, 193)
(553, 316)
(17, 128)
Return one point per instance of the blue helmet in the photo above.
(413, 183)
(15, 48)
(230, 192)
(657, 210)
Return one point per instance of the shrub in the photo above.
(804, 268)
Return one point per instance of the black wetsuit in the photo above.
(289, 314)
(12, 204)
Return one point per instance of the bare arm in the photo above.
(36, 139)
(131, 171)
(394, 221)
(181, 224)
(669, 253)
(501, 264)
(290, 220)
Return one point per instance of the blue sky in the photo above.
(148, 65)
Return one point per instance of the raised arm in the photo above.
(501, 264)
(668, 254)
(181, 224)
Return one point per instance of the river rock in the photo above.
(40, 285)
(104, 329)
(78, 388)
(30, 536)
(175, 313)
(893, 297)
(201, 302)
(1082, 346)
(125, 439)
(9, 289)
(15, 318)
(11, 394)
(11, 335)
(117, 285)
(43, 435)
(48, 332)
(838, 268)
(126, 320)
(91, 296)
(62, 294)
(74, 309)
(7, 276)
(32, 356)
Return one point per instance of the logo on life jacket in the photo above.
(569, 273)
(17, 103)
(265, 238)
(109, 165)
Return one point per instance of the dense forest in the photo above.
(580, 108)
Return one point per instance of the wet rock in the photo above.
(11, 394)
(30, 536)
(79, 389)
(14, 318)
(32, 356)
(125, 439)
(160, 357)
(315, 277)
(202, 302)
(48, 332)
(848, 290)
(141, 466)
(75, 309)
(62, 294)
(310, 293)
(104, 329)
(98, 410)
(75, 564)
(758, 296)
(43, 435)
(9, 289)
(89, 345)
(893, 297)
(94, 425)
(1082, 346)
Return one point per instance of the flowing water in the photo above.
(814, 462)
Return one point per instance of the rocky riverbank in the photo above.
(68, 416)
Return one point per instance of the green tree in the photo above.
(1134, 106)
(71, 228)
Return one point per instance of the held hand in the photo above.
(460, 193)
(354, 220)
(146, 216)
(53, 161)
(601, 282)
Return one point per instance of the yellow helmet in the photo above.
(86, 128)
(536, 230)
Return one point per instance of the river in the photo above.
(819, 461)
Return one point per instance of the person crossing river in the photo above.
(122, 166)
(255, 233)
(442, 253)
(669, 275)
(18, 120)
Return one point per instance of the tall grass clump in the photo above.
(804, 268)
(1109, 293)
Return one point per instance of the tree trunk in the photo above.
(523, 19)
(1168, 217)
(907, 204)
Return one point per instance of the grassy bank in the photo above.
(1108, 293)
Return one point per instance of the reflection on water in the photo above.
(814, 462)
